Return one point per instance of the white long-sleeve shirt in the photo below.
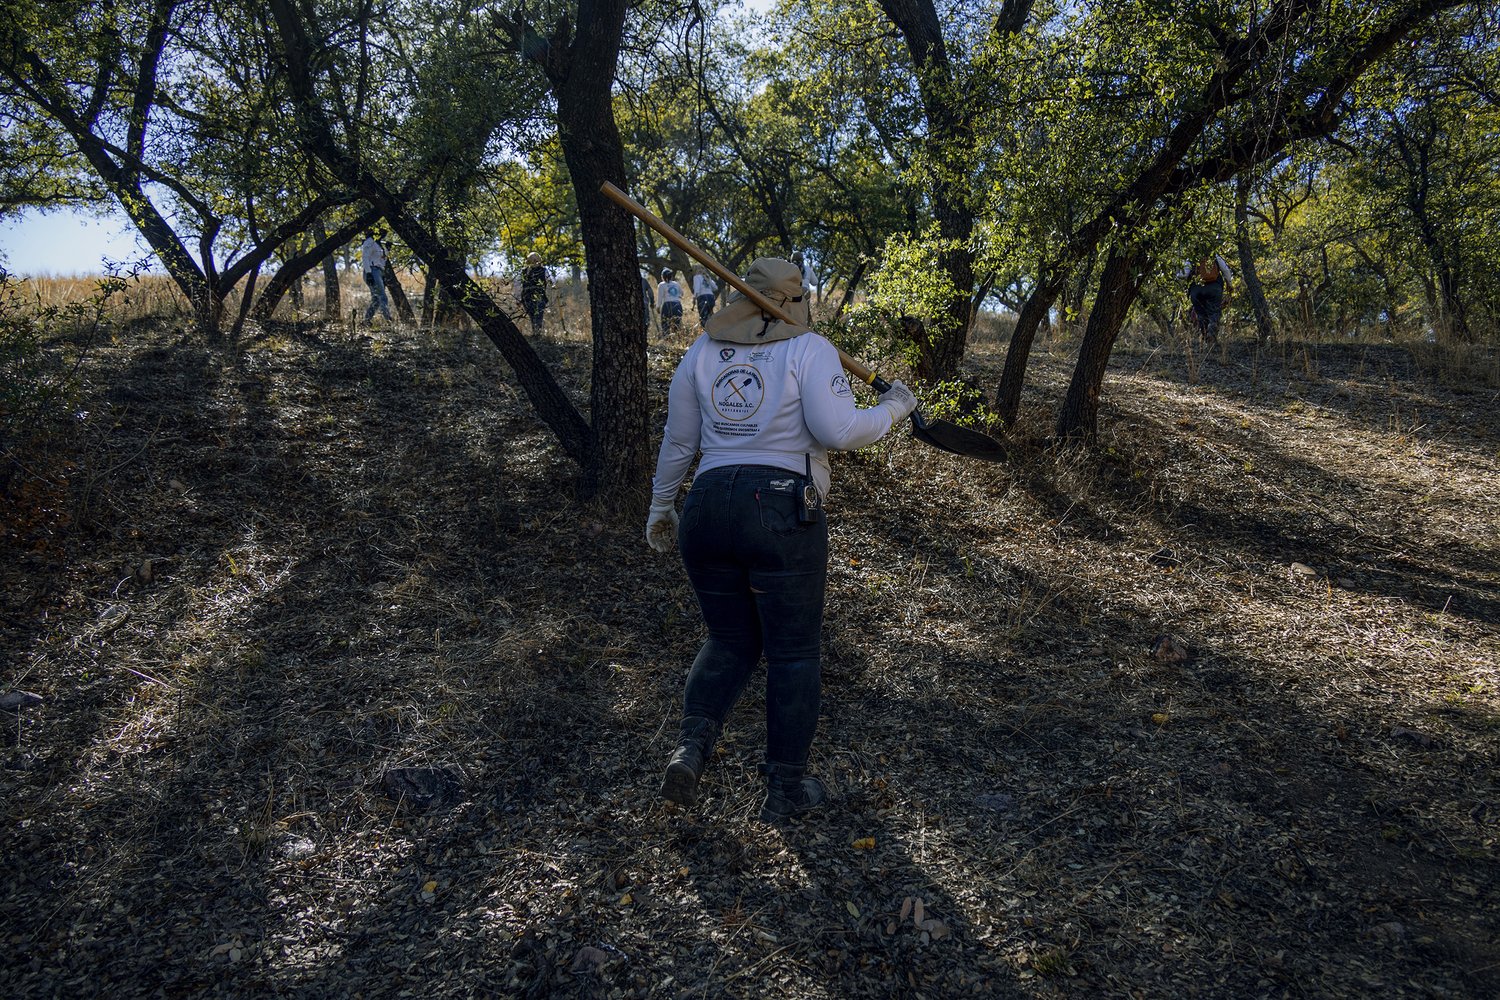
(809, 278)
(668, 291)
(371, 255)
(703, 285)
(777, 404)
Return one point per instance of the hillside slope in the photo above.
(274, 577)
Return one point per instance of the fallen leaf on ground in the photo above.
(588, 959)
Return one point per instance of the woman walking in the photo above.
(764, 402)
(534, 281)
(1208, 290)
(669, 302)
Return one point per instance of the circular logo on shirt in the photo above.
(738, 392)
(840, 385)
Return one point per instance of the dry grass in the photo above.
(145, 298)
(361, 556)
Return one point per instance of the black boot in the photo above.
(789, 793)
(694, 744)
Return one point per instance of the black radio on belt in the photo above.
(807, 510)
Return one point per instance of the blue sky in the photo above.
(60, 244)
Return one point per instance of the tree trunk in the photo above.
(1455, 313)
(429, 298)
(949, 105)
(1161, 318)
(1073, 294)
(1038, 304)
(206, 301)
(849, 287)
(1119, 284)
(942, 350)
(594, 153)
(120, 167)
(1175, 169)
(950, 144)
(1306, 308)
(332, 303)
(1264, 328)
(398, 296)
(115, 148)
(1451, 321)
(289, 275)
(245, 300)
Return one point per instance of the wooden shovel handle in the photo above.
(734, 281)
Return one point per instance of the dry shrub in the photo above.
(143, 296)
(47, 329)
(567, 314)
(1459, 365)
(992, 329)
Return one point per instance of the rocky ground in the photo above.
(1212, 709)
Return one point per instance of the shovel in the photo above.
(939, 433)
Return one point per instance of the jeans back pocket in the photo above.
(780, 503)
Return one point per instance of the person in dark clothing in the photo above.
(1208, 289)
(648, 297)
(534, 282)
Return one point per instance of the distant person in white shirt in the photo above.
(372, 263)
(809, 276)
(669, 304)
(704, 293)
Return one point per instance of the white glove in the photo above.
(899, 401)
(661, 525)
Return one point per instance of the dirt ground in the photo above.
(262, 580)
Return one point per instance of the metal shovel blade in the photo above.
(958, 440)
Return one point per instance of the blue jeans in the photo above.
(375, 278)
(760, 574)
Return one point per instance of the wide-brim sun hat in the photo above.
(741, 320)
